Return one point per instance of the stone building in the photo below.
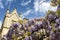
(8, 20)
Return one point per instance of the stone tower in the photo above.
(8, 20)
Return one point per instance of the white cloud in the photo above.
(40, 6)
(25, 3)
(1, 5)
(41, 1)
(9, 0)
(43, 6)
(0, 24)
(27, 13)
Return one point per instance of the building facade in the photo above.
(8, 20)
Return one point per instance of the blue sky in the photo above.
(29, 8)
